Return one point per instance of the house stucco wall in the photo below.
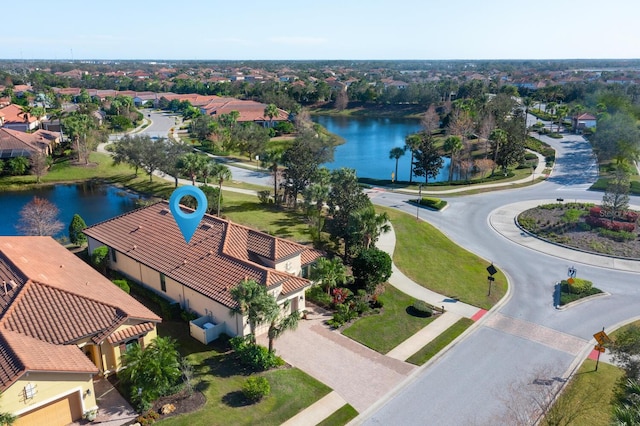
(48, 387)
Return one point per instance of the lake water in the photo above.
(367, 145)
(93, 202)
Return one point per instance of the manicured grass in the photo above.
(589, 395)
(219, 377)
(247, 210)
(440, 342)
(342, 416)
(429, 258)
(391, 327)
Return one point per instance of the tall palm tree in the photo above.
(453, 145)
(253, 301)
(528, 103)
(412, 142)
(396, 153)
(271, 111)
(368, 225)
(221, 173)
(561, 113)
(279, 324)
(271, 159)
(192, 164)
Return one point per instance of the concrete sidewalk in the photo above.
(416, 342)
(320, 410)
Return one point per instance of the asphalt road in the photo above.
(161, 124)
(471, 383)
(525, 337)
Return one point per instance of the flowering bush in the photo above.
(598, 222)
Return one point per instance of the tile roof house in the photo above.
(249, 111)
(147, 246)
(15, 119)
(61, 323)
(583, 121)
(14, 143)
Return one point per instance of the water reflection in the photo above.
(93, 201)
(367, 145)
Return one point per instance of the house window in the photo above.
(130, 344)
(163, 283)
(113, 256)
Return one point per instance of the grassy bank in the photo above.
(430, 259)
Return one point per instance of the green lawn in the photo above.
(588, 396)
(219, 377)
(342, 416)
(440, 342)
(391, 327)
(429, 258)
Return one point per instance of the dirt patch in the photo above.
(183, 402)
(561, 226)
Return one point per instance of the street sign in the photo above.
(599, 348)
(490, 278)
(602, 338)
(491, 269)
(570, 280)
(572, 272)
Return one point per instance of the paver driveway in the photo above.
(358, 374)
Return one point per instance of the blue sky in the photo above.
(331, 29)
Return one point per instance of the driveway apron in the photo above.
(358, 374)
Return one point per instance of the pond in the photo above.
(94, 202)
(368, 142)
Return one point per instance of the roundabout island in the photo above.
(524, 334)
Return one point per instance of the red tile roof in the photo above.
(49, 303)
(13, 114)
(220, 254)
(249, 110)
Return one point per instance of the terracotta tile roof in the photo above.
(17, 143)
(309, 256)
(51, 303)
(35, 355)
(13, 114)
(220, 254)
(130, 332)
(249, 110)
(57, 316)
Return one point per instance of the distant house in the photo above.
(583, 121)
(61, 323)
(249, 111)
(147, 246)
(20, 144)
(16, 119)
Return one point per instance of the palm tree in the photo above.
(453, 145)
(412, 142)
(528, 103)
(253, 301)
(271, 111)
(396, 153)
(192, 164)
(272, 159)
(221, 173)
(368, 225)
(561, 113)
(329, 273)
(498, 137)
(279, 324)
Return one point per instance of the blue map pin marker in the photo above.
(188, 222)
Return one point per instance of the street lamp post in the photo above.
(419, 200)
